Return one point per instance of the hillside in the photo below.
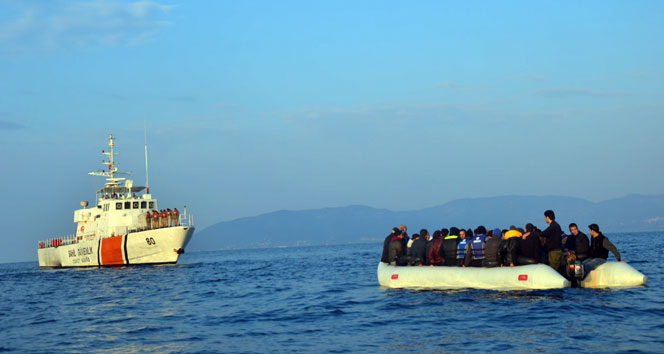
(356, 223)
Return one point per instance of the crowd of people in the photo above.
(164, 218)
(455, 247)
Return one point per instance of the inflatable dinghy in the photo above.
(526, 277)
(613, 275)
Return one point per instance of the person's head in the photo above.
(454, 231)
(462, 234)
(424, 233)
(395, 231)
(444, 232)
(480, 230)
(594, 230)
(403, 228)
(489, 233)
(549, 216)
(497, 232)
(469, 233)
(416, 236)
(530, 227)
(512, 227)
(436, 234)
(573, 229)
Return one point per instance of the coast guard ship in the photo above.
(116, 231)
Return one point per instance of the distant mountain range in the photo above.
(356, 223)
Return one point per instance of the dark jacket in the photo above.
(581, 246)
(417, 250)
(449, 250)
(491, 248)
(396, 250)
(434, 256)
(531, 247)
(509, 250)
(600, 247)
(552, 235)
(427, 249)
(386, 249)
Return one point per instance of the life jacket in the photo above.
(478, 246)
(512, 233)
(461, 248)
(597, 249)
(148, 215)
(449, 248)
(155, 215)
(170, 212)
(176, 212)
(491, 248)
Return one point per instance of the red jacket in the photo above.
(434, 258)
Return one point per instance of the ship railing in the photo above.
(57, 241)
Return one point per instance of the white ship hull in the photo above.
(535, 276)
(157, 246)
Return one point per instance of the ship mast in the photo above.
(112, 181)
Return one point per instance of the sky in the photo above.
(257, 106)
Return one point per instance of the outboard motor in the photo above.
(576, 269)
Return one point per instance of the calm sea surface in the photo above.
(316, 299)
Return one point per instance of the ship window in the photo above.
(99, 206)
(134, 205)
(127, 205)
(151, 205)
(118, 206)
(143, 205)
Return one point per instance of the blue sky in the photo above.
(256, 106)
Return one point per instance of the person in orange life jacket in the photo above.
(530, 248)
(476, 246)
(510, 246)
(155, 219)
(552, 235)
(434, 250)
(162, 218)
(385, 258)
(599, 249)
(169, 217)
(176, 216)
(581, 245)
(448, 251)
(148, 220)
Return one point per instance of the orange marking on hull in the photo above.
(111, 251)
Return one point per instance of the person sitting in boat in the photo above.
(530, 247)
(397, 251)
(404, 237)
(463, 247)
(552, 235)
(475, 253)
(491, 245)
(510, 246)
(385, 258)
(427, 248)
(599, 249)
(434, 250)
(581, 246)
(416, 250)
(449, 247)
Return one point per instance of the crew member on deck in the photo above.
(155, 219)
(148, 220)
(169, 215)
(176, 216)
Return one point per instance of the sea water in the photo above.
(316, 299)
